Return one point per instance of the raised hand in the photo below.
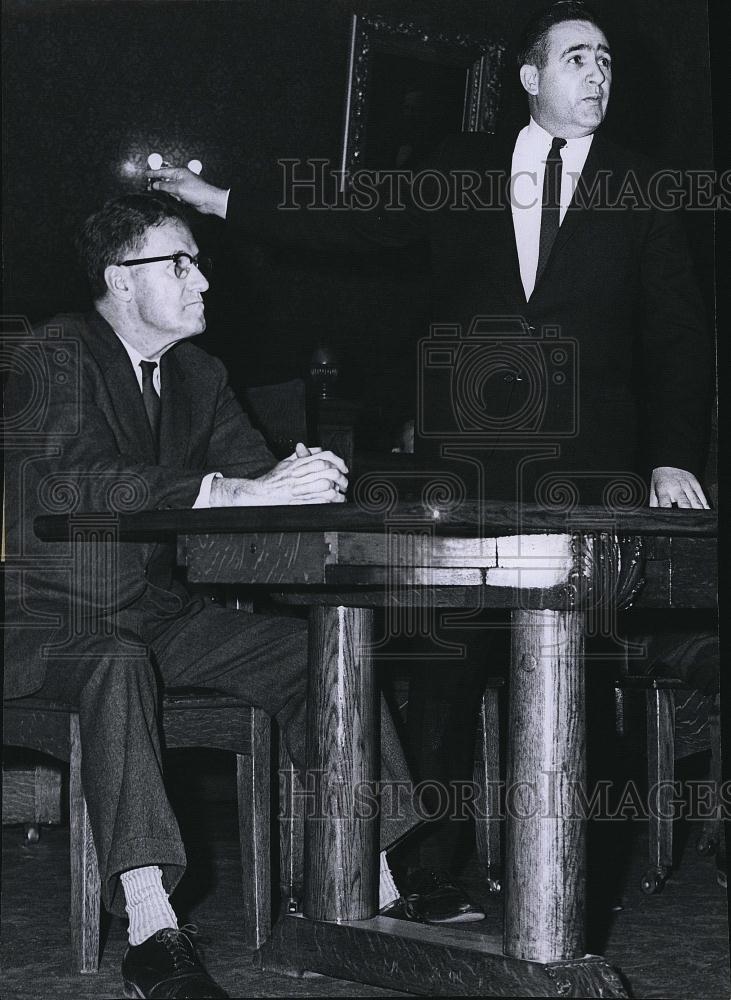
(190, 188)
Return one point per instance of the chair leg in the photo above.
(254, 791)
(85, 883)
(291, 832)
(487, 778)
(660, 779)
(710, 837)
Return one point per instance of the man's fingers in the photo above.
(676, 487)
(331, 496)
(165, 179)
(698, 497)
(330, 476)
(327, 496)
(321, 460)
(301, 450)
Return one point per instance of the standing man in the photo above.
(579, 363)
(567, 233)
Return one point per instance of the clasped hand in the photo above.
(307, 476)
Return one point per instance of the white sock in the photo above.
(387, 891)
(146, 903)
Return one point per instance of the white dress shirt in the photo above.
(526, 190)
(204, 494)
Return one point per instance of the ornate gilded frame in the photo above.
(481, 59)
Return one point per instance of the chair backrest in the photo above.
(279, 412)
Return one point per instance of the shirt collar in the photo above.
(535, 141)
(134, 355)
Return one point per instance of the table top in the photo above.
(467, 519)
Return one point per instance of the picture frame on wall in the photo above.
(408, 88)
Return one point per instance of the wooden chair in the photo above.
(487, 781)
(279, 412)
(190, 718)
(680, 720)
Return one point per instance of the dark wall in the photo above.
(90, 87)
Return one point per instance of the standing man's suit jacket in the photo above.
(618, 287)
(84, 444)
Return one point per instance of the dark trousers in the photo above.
(442, 715)
(160, 641)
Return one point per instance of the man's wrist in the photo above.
(234, 492)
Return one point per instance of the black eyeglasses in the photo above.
(183, 262)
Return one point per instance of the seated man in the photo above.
(141, 412)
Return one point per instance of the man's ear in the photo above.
(529, 78)
(118, 281)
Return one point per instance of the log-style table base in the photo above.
(543, 944)
(427, 961)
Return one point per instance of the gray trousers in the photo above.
(163, 641)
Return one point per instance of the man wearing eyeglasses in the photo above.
(134, 411)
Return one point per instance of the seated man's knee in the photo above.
(122, 673)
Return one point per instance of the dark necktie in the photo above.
(151, 399)
(550, 214)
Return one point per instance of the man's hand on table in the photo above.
(186, 186)
(309, 475)
(670, 486)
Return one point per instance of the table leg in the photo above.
(543, 945)
(545, 863)
(341, 870)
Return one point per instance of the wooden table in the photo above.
(553, 570)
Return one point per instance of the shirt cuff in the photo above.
(204, 493)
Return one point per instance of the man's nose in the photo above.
(197, 279)
(596, 73)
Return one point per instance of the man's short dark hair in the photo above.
(117, 230)
(533, 44)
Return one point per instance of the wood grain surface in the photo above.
(660, 773)
(32, 794)
(85, 884)
(253, 782)
(469, 519)
(545, 856)
(429, 961)
(341, 872)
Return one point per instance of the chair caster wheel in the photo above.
(653, 881)
(32, 833)
(493, 879)
(706, 845)
(494, 885)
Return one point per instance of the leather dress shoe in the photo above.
(431, 897)
(166, 967)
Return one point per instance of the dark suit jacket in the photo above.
(631, 390)
(82, 442)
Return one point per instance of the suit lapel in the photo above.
(122, 385)
(176, 411)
